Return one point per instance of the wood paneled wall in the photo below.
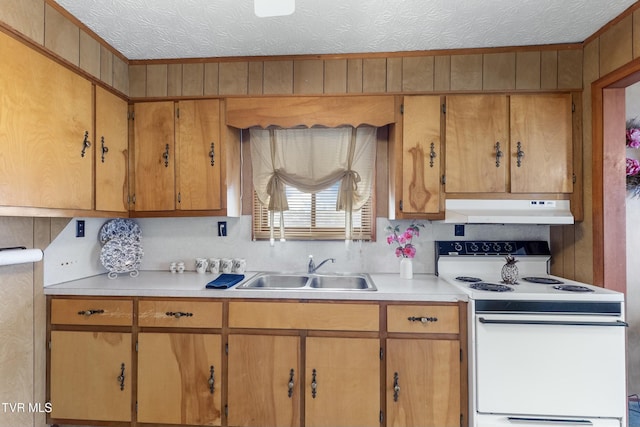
(44, 23)
(516, 69)
(612, 47)
(23, 319)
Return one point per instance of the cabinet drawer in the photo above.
(91, 312)
(180, 314)
(442, 319)
(292, 315)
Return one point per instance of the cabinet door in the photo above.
(423, 383)
(541, 130)
(199, 155)
(112, 151)
(477, 144)
(154, 156)
(174, 378)
(45, 112)
(342, 381)
(421, 155)
(84, 376)
(264, 380)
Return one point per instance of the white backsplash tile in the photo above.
(183, 239)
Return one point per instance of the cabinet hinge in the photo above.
(178, 113)
(444, 179)
(49, 344)
(381, 417)
(401, 108)
(461, 420)
(137, 346)
(226, 349)
(136, 407)
(131, 115)
(226, 411)
(573, 107)
(400, 205)
(461, 356)
(444, 109)
(179, 197)
(381, 353)
(133, 199)
(574, 178)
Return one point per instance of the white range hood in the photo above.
(480, 211)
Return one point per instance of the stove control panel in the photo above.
(492, 247)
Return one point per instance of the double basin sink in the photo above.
(302, 281)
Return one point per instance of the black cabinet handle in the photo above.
(422, 319)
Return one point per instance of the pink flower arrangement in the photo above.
(402, 241)
(633, 167)
(633, 138)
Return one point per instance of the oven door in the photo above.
(551, 365)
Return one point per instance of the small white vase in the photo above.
(406, 268)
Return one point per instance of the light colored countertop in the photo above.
(423, 287)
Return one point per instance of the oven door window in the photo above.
(550, 369)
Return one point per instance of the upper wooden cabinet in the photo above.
(418, 154)
(46, 126)
(516, 144)
(112, 152)
(477, 138)
(541, 156)
(199, 159)
(179, 157)
(154, 157)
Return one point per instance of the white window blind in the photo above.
(314, 217)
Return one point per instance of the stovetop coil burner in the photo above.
(573, 288)
(492, 287)
(542, 280)
(468, 279)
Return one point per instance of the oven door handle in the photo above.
(558, 421)
(550, 322)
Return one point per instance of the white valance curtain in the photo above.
(311, 160)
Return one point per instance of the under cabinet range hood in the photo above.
(481, 211)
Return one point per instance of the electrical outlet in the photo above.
(222, 228)
(80, 228)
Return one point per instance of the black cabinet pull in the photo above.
(422, 319)
(178, 314)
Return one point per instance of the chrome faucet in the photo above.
(312, 265)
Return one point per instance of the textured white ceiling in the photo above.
(163, 29)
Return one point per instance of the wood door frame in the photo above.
(609, 207)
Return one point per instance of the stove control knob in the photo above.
(474, 247)
(508, 247)
(496, 247)
(457, 247)
(485, 247)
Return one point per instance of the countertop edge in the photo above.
(423, 288)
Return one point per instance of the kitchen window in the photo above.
(313, 183)
(314, 217)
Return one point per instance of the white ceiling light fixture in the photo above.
(269, 8)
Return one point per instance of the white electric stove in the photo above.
(544, 351)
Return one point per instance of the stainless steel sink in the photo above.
(276, 281)
(331, 282)
(347, 282)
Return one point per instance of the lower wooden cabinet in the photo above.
(179, 378)
(216, 362)
(90, 375)
(420, 393)
(264, 380)
(342, 382)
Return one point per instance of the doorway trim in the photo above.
(609, 185)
